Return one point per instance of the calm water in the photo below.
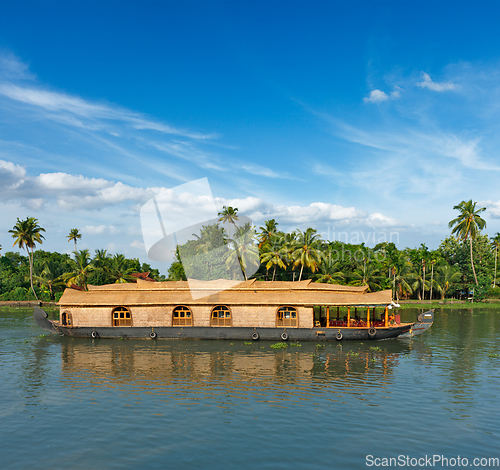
(100, 404)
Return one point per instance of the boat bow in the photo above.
(42, 320)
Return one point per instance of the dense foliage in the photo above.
(462, 265)
(54, 271)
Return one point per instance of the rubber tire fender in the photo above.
(339, 336)
(94, 334)
(284, 336)
(372, 333)
(153, 335)
(255, 336)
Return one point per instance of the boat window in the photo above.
(182, 316)
(66, 319)
(221, 316)
(286, 316)
(122, 317)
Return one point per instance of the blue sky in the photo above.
(366, 119)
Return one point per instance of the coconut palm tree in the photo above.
(274, 253)
(211, 237)
(305, 251)
(74, 235)
(402, 275)
(81, 267)
(49, 278)
(329, 270)
(468, 225)
(269, 229)
(230, 215)
(445, 276)
(495, 243)
(27, 233)
(433, 262)
(245, 253)
(368, 274)
(120, 269)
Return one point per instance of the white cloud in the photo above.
(315, 214)
(428, 83)
(376, 96)
(493, 208)
(100, 229)
(138, 244)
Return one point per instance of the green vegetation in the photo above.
(43, 275)
(464, 264)
(279, 346)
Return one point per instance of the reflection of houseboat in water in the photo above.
(222, 310)
(203, 364)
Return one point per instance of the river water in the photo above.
(104, 404)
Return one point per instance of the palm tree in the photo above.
(468, 225)
(367, 274)
(81, 267)
(49, 278)
(26, 234)
(246, 254)
(495, 242)
(419, 284)
(270, 228)
(274, 253)
(211, 237)
(120, 269)
(230, 215)
(402, 275)
(433, 262)
(329, 271)
(74, 235)
(305, 251)
(445, 276)
(101, 259)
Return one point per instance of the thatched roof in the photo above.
(252, 292)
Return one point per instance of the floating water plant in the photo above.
(279, 346)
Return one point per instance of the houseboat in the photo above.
(249, 310)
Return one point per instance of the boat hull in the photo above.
(234, 333)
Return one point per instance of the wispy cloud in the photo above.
(112, 131)
(434, 86)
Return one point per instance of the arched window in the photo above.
(181, 316)
(286, 316)
(66, 319)
(221, 316)
(121, 316)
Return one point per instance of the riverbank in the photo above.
(449, 303)
(26, 303)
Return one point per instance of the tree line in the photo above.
(465, 261)
(44, 275)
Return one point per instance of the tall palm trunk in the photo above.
(301, 268)
(472, 260)
(31, 270)
(432, 279)
(423, 284)
(274, 272)
(495, 278)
